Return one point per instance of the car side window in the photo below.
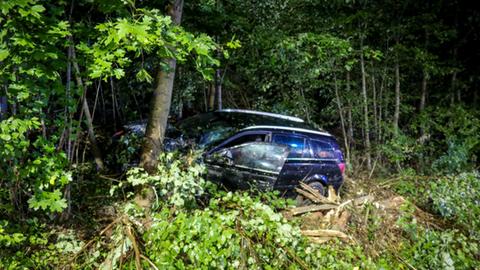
(261, 156)
(246, 139)
(296, 144)
(322, 149)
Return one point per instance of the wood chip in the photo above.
(341, 223)
(332, 194)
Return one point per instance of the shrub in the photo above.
(458, 198)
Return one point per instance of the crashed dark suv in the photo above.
(245, 149)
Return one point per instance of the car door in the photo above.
(298, 163)
(250, 165)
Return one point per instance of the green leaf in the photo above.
(5, 137)
(4, 53)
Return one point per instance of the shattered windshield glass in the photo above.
(211, 128)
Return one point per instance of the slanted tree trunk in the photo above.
(88, 117)
(365, 110)
(161, 101)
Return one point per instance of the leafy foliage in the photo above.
(457, 198)
(430, 249)
(31, 166)
(146, 33)
(236, 230)
(177, 180)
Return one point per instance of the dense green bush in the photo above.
(29, 164)
(458, 198)
(453, 197)
(238, 230)
(426, 248)
(33, 245)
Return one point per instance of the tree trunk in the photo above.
(423, 98)
(218, 88)
(88, 117)
(365, 110)
(342, 122)
(380, 109)
(375, 107)
(161, 101)
(350, 121)
(454, 88)
(396, 115)
(211, 97)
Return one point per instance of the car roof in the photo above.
(240, 119)
(290, 129)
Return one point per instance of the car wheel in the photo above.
(301, 201)
(319, 187)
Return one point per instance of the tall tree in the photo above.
(365, 106)
(161, 100)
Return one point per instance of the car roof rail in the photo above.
(323, 133)
(276, 115)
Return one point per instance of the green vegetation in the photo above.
(395, 82)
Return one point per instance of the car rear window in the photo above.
(296, 144)
(327, 149)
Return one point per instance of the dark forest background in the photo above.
(397, 82)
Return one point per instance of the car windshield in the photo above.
(209, 129)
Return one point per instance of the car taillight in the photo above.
(341, 166)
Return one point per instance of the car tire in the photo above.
(318, 187)
(302, 201)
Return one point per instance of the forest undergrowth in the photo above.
(402, 222)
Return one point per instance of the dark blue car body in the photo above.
(249, 149)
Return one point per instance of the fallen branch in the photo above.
(325, 233)
(149, 261)
(313, 194)
(136, 250)
(319, 240)
(108, 227)
(311, 208)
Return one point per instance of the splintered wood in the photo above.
(330, 215)
(312, 208)
(315, 196)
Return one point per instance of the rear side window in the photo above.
(323, 149)
(296, 144)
